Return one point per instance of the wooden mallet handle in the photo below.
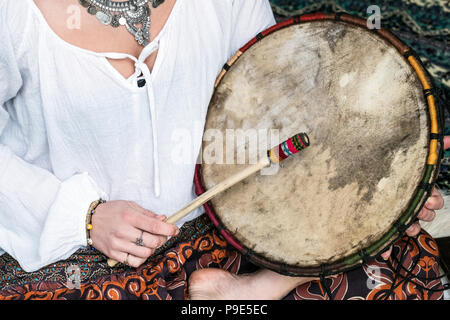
(275, 155)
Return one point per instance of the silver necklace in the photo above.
(133, 14)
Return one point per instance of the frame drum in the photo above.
(368, 106)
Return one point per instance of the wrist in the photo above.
(89, 226)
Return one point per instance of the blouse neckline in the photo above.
(104, 54)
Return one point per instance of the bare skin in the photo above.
(118, 223)
(94, 36)
(217, 284)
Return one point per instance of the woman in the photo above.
(91, 103)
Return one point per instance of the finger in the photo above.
(132, 235)
(139, 209)
(135, 262)
(435, 201)
(155, 226)
(153, 241)
(120, 245)
(426, 215)
(131, 260)
(446, 142)
(385, 255)
(152, 214)
(148, 240)
(413, 230)
(126, 258)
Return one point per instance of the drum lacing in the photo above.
(284, 268)
(438, 93)
(431, 91)
(400, 227)
(364, 256)
(249, 254)
(410, 53)
(399, 279)
(338, 15)
(323, 274)
(426, 186)
(259, 36)
(226, 67)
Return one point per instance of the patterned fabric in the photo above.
(165, 276)
(423, 25)
(92, 264)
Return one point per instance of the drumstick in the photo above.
(275, 155)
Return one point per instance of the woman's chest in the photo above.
(80, 27)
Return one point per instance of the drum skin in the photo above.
(363, 107)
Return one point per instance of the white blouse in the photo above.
(73, 129)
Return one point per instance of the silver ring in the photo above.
(139, 241)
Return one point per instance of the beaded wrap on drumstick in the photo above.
(288, 148)
(275, 155)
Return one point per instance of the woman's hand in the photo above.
(118, 224)
(434, 202)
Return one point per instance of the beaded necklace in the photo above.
(133, 14)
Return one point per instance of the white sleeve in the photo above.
(42, 219)
(250, 17)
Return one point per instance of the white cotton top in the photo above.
(73, 129)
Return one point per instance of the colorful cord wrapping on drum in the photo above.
(288, 148)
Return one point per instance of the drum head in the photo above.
(363, 107)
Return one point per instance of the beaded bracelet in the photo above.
(89, 215)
